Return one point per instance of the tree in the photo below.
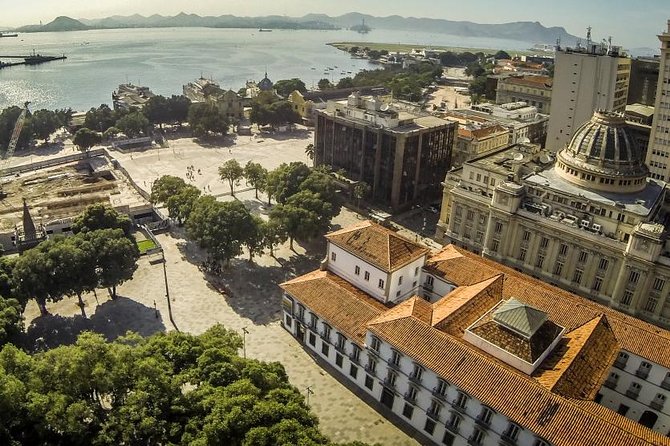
(360, 191)
(11, 319)
(325, 84)
(85, 138)
(101, 118)
(354, 49)
(256, 175)
(285, 87)
(502, 55)
(255, 241)
(309, 151)
(221, 228)
(133, 124)
(74, 263)
(8, 119)
(110, 133)
(157, 110)
(178, 106)
(115, 257)
(165, 187)
(101, 216)
(323, 184)
(34, 278)
(345, 82)
(304, 216)
(232, 172)
(206, 118)
(285, 180)
(181, 204)
(44, 123)
(274, 234)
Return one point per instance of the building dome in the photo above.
(265, 84)
(603, 155)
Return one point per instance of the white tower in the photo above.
(658, 154)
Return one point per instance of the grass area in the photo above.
(405, 48)
(146, 245)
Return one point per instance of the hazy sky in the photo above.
(631, 23)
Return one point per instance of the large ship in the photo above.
(4, 34)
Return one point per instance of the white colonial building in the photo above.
(467, 351)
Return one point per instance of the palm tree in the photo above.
(309, 151)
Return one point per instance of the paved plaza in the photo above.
(245, 295)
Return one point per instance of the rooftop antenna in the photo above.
(588, 36)
(558, 43)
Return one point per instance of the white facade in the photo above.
(658, 153)
(585, 80)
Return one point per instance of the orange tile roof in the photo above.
(559, 420)
(466, 304)
(580, 363)
(335, 300)
(377, 245)
(413, 307)
(564, 308)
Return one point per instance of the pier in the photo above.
(31, 59)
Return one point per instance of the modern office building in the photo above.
(586, 79)
(591, 221)
(658, 154)
(469, 352)
(402, 155)
(643, 80)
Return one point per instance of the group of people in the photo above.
(190, 172)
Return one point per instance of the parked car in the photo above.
(434, 209)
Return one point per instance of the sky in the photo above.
(630, 23)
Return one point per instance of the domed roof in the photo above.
(604, 153)
(265, 84)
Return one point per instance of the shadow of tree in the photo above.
(112, 319)
(216, 141)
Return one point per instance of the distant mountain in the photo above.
(61, 23)
(525, 31)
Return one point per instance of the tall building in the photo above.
(591, 222)
(469, 352)
(402, 155)
(586, 79)
(643, 81)
(533, 90)
(658, 153)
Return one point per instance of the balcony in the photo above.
(632, 394)
(620, 363)
(433, 415)
(440, 396)
(371, 370)
(506, 440)
(355, 358)
(657, 405)
(410, 397)
(393, 365)
(389, 382)
(610, 383)
(666, 384)
(416, 379)
(457, 407)
(474, 441)
(453, 428)
(483, 423)
(642, 373)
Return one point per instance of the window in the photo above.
(312, 339)
(477, 437)
(633, 277)
(374, 345)
(622, 410)
(470, 216)
(544, 242)
(333, 256)
(494, 245)
(366, 276)
(357, 270)
(410, 395)
(341, 341)
(312, 321)
(391, 378)
(430, 426)
(512, 432)
(381, 284)
(658, 284)
(395, 358)
(454, 421)
(621, 360)
(577, 276)
(461, 400)
(498, 228)
(430, 280)
(355, 353)
(325, 348)
(448, 439)
(597, 283)
(369, 382)
(441, 388)
(522, 254)
(643, 370)
(634, 390)
(416, 271)
(325, 334)
(540, 442)
(400, 280)
(526, 235)
(563, 250)
(558, 268)
(539, 261)
(627, 297)
(408, 411)
(650, 305)
(459, 209)
(338, 360)
(301, 312)
(417, 373)
(353, 371)
(583, 257)
(485, 415)
(434, 409)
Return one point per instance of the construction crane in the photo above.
(14, 140)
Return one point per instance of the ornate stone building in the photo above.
(592, 222)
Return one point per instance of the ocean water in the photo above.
(166, 59)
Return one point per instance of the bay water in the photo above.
(164, 59)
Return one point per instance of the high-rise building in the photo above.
(402, 155)
(586, 79)
(658, 154)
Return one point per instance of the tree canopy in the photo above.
(101, 216)
(274, 114)
(285, 87)
(206, 118)
(232, 172)
(171, 388)
(85, 138)
(133, 124)
(256, 175)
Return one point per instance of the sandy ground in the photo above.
(447, 96)
(252, 298)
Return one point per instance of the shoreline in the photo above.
(407, 47)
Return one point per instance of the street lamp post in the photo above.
(309, 392)
(245, 332)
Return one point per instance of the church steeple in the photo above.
(29, 232)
